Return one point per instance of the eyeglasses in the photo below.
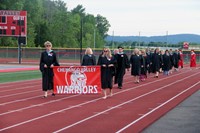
(48, 45)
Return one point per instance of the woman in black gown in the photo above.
(107, 63)
(166, 63)
(89, 59)
(156, 61)
(48, 60)
(135, 61)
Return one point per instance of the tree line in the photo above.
(52, 21)
(136, 44)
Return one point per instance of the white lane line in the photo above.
(19, 93)
(20, 100)
(91, 101)
(114, 107)
(20, 82)
(135, 121)
(66, 98)
(131, 81)
(20, 88)
(36, 105)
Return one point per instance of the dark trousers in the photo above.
(119, 78)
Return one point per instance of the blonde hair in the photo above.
(88, 51)
(48, 43)
(135, 51)
(115, 51)
(109, 54)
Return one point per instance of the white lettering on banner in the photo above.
(83, 69)
(12, 27)
(3, 27)
(77, 89)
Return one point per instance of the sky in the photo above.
(145, 17)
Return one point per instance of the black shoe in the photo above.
(119, 87)
(53, 94)
(44, 97)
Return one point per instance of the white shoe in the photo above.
(104, 97)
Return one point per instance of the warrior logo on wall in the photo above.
(78, 80)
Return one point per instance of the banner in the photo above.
(77, 80)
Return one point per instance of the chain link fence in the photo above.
(65, 55)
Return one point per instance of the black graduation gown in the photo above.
(107, 72)
(156, 61)
(47, 73)
(115, 77)
(143, 65)
(171, 60)
(176, 58)
(161, 61)
(148, 62)
(166, 62)
(88, 60)
(150, 57)
(122, 64)
(135, 61)
(99, 59)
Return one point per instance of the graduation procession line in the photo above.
(94, 100)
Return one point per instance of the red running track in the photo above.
(129, 110)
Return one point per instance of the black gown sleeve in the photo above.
(41, 62)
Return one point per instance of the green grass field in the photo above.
(19, 76)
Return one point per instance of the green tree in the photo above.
(102, 25)
(50, 20)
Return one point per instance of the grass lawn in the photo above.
(19, 76)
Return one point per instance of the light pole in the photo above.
(166, 38)
(19, 42)
(113, 40)
(81, 39)
(94, 38)
(139, 40)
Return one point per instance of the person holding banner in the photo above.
(101, 55)
(48, 60)
(88, 59)
(107, 63)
